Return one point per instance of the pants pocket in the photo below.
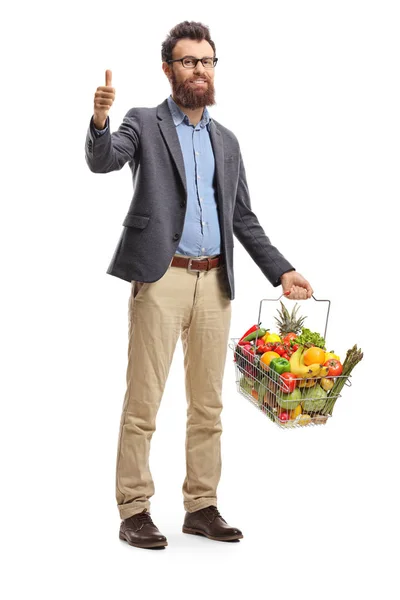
(137, 287)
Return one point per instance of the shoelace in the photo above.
(214, 512)
(144, 517)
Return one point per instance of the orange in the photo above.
(268, 356)
(313, 356)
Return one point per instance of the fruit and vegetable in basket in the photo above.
(353, 357)
(287, 382)
(289, 401)
(262, 389)
(314, 399)
(289, 324)
(291, 371)
(284, 415)
(246, 384)
(309, 338)
(335, 367)
(326, 383)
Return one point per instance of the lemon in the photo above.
(272, 338)
(303, 419)
(329, 355)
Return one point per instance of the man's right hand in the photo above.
(103, 101)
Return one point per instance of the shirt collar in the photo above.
(178, 115)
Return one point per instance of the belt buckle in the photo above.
(189, 265)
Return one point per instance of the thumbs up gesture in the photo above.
(103, 101)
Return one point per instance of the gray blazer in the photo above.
(147, 138)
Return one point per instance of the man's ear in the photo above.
(166, 69)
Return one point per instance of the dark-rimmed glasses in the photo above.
(190, 62)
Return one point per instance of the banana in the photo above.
(307, 383)
(298, 367)
(324, 371)
(315, 368)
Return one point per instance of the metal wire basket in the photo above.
(266, 390)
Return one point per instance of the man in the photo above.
(176, 249)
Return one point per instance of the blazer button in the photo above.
(176, 236)
(182, 204)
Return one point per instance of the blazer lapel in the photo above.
(168, 131)
(218, 148)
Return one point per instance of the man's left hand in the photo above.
(298, 287)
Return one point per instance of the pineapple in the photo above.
(289, 323)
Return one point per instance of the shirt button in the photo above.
(198, 177)
(197, 153)
(203, 249)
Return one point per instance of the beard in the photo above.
(188, 96)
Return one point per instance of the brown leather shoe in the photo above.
(140, 531)
(208, 521)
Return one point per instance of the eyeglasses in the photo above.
(190, 62)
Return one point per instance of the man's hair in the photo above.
(187, 29)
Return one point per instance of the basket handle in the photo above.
(285, 294)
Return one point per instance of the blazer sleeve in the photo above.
(251, 235)
(108, 151)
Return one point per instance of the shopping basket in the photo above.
(266, 390)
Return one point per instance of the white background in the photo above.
(311, 90)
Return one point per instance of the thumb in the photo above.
(108, 77)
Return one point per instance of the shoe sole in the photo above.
(153, 545)
(227, 538)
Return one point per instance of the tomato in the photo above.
(288, 382)
(335, 367)
(269, 347)
(288, 338)
(284, 416)
(295, 347)
(286, 355)
(280, 349)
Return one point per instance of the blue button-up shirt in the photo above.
(201, 233)
(201, 230)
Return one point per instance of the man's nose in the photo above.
(199, 68)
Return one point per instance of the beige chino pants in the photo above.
(196, 306)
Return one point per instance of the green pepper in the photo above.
(254, 334)
(280, 365)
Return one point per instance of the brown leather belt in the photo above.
(196, 264)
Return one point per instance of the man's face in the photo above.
(185, 90)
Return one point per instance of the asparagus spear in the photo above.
(353, 356)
